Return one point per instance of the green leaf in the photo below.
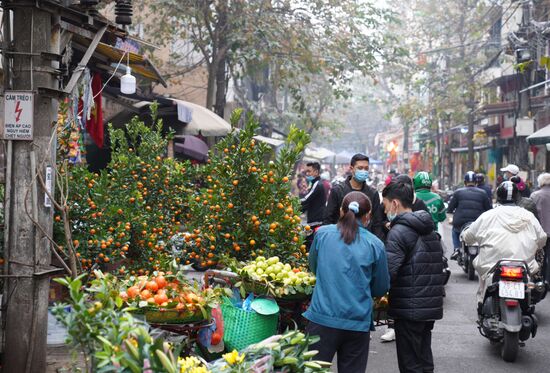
(130, 364)
(165, 361)
(62, 280)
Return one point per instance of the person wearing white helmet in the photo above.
(511, 172)
(507, 231)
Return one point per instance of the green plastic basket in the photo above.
(243, 328)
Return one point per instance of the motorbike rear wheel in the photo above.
(471, 271)
(510, 346)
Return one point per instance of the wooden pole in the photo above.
(29, 252)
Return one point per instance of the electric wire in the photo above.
(109, 79)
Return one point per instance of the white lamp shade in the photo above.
(128, 83)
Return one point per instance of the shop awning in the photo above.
(191, 146)
(318, 153)
(111, 55)
(465, 149)
(203, 121)
(541, 137)
(270, 141)
(344, 157)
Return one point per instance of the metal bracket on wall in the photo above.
(51, 92)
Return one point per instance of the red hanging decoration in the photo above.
(94, 125)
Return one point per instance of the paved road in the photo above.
(458, 346)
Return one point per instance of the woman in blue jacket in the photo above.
(351, 268)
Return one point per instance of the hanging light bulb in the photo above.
(128, 81)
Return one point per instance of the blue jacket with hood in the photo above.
(348, 276)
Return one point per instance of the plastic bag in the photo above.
(212, 337)
(247, 303)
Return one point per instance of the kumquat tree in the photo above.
(245, 208)
(124, 215)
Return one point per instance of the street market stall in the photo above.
(138, 226)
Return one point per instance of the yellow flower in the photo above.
(134, 342)
(233, 357)
(191, 365)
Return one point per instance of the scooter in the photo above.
(507, 313)
(467, 256)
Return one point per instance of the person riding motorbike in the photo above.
(505, 232)
(525, 202)
(480, 181)
(422, 185)
(512, 170)
(467, 204)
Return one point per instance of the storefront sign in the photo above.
(49, 176)
(524, 126)
(18, 115)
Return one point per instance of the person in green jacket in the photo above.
(422, 185)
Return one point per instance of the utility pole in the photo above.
(28, 53)
(520, 149)
(471, 107)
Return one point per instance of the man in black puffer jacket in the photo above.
(415, 262)
(467, 204)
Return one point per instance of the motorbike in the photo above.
(467, 256)
(507, 313)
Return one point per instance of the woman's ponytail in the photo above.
(354, 206)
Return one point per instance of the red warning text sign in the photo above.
(18, 115)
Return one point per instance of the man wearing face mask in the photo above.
(313, 203)
(359, 167)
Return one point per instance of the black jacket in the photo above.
(313, 203)
(487, 190)
(419, 205)
(467, 204)
(415, 262)
(336, 196)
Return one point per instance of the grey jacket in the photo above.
(529, 205)
(542, 200)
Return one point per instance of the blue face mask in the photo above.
(361, 175)
(310, 178)
(391, 216)
(505, 177)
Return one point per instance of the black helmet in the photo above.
(480, 178)
(403, 178)
(469, 177)
(507, 192)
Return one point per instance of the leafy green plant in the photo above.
(110, 338)
(285, 353)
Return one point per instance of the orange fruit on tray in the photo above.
(133, 291)
(161, 282)
(161, 298)
(145, 294)
(152, 286)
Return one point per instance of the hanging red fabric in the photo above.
(94, 126)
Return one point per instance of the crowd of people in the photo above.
(367, 242)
